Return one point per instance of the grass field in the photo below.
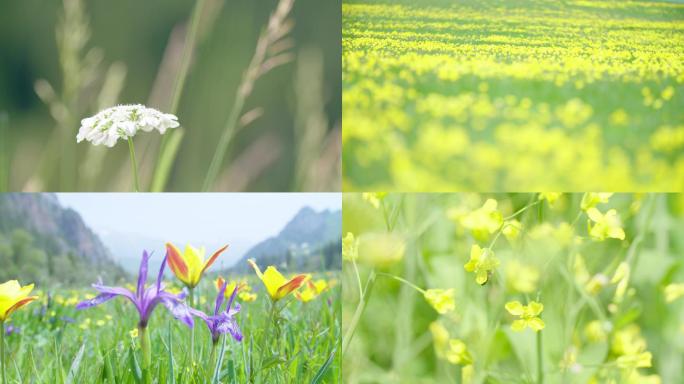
(513, 95)
(56, 343)
(435, 284)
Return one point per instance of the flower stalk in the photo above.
(2, 351)
(134, 165)
(146, 352)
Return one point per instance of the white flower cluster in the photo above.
(123, 121)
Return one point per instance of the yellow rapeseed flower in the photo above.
(350, 250)
(374, 198)
(674, 292)
(442, 300)
(482, 262)
(592, 199)
(606, 225)
(520, 277)
(528, 315)
(483, 221)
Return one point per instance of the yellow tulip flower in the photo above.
(190, 265)
(13, 296)
(230, 287)
(312, 290)
(276, 284)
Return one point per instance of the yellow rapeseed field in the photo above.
(515, 95)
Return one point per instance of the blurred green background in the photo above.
(393, 342)
(138, 44)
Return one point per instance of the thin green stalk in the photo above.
(359, 311)
(521, 210)
(2, 351)
(134, 164)
(410, 284)
(540, 366)
(217, 371)
(267, 334)
(146, 353)
(192, 330)
(224, 142)
(168, 149)
(212, 357)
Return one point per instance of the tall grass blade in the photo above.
(75, 365)
(324, 368)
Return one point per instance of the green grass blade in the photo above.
(172, 377)
(135, 367)
(161, 174)
(75, 365)
(324, 368)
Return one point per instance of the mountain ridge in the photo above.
(52, 235)
(307, 233)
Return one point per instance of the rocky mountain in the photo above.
(35, 229)
(310, 241)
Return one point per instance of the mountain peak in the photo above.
(306, 233)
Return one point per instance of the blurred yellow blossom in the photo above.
(457, 353)
(349, 247)
(483, 221)
(551, 197)
(595, 331)
(673, 292)
(528, 315)
(606, 225)
(520, 277)
(621, 278)
(442, 300)
(592, 199)
(440, 338)
(482, 262)
(374, 198)
(247, 296)
(511, 229)
(638, 360)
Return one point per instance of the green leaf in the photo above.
(135, 367)
(75, 364)
(169, 347)
(324, 368)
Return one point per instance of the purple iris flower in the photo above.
(10, 329)
(222, 322)
(144, 299)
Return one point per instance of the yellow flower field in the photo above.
(519, 95)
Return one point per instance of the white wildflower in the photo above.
(123, 122)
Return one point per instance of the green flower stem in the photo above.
(212, 358)
(410, 284)
(349, 334)
(146, 353)
(540, 362)
(521, 210)
(134, 164)
(191, 296)
(2, 351)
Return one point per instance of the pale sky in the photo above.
(241, 219)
